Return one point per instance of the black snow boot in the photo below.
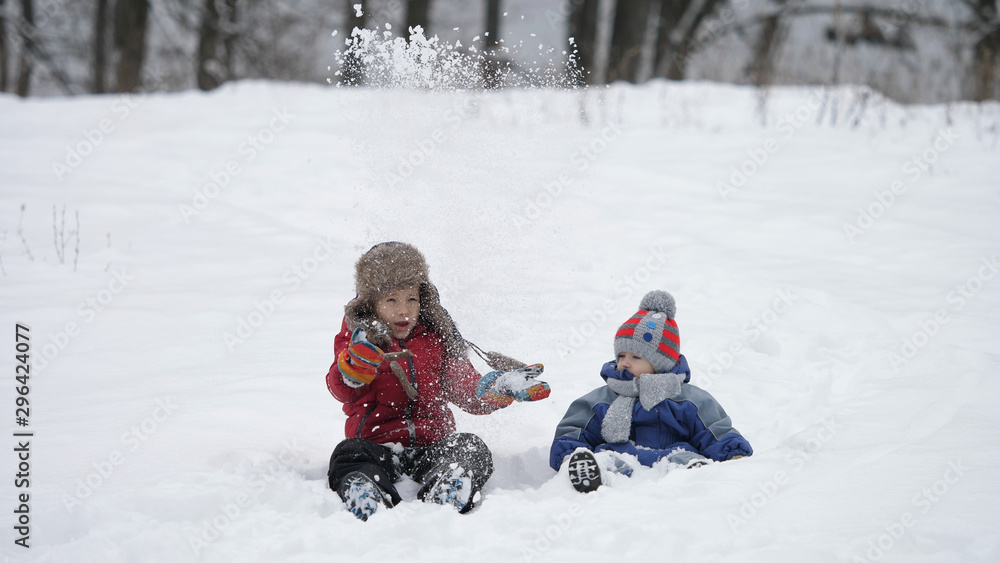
(584, 473)
(361, 495)
(450, 484)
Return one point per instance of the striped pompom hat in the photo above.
(652, 333)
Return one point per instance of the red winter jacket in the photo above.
(381, 411)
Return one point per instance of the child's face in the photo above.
(634, 364)
(399, 309)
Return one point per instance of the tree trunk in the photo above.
(760, 71)
(667, 64)
(627, 39)
(492, 71)
(215, 64)
(583, 29)
(986, 54)
(130, 38)
(492, 23)
(28, 41)
(209, 66)
(229, 37)
(417, 15)
(352, 70)
(986, 67)
(353, 19)
(3, 49)
(100, 47)
(674, 66)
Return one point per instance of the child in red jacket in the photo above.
(400, 360)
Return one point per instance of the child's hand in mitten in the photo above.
(501, 388)
(360, 360)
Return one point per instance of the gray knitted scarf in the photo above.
(651, 390)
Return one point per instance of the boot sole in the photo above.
(584, 472)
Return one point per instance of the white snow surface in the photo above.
(861, 367)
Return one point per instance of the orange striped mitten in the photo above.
(360, 360)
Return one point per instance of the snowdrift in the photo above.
(182, 262)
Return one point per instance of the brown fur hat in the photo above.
(389, 266)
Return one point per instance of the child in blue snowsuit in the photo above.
(647, 409)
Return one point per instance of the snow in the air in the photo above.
(182, 261)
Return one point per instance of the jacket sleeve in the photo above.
(712, 432)
(334, 379)
(580, 427)
(459, 383)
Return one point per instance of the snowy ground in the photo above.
(177, 397)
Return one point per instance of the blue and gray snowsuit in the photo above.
(681, 428)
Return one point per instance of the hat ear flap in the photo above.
(436, 318)
(361, 314)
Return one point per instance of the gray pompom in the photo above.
(659, 300)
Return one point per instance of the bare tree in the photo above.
(208, 76)
(986, 51)
(216, 41)
(26, 63)
(130, 39)
(100, 47)
(865, 28)
(492, 23)
(583, 29)
(668, 63)
(627, 40)
(417, 14)
(229, 36)
(492, 68)
(760, 70)
(3, 49)
(352, 70)
(677, 35)
(33, 52)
